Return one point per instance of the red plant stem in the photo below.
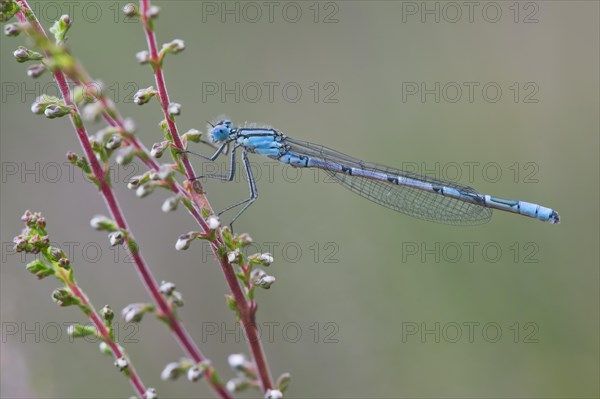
(135, 380)
(111, 202)
(247, 310)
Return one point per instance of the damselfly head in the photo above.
(220, 131)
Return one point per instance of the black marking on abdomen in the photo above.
(393, 179)
(346, 169)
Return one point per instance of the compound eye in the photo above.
(219, 133)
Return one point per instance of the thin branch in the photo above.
(103, 331)
(247, 310)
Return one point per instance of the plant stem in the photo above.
(111, 202)
(103, 331)
(247, 310)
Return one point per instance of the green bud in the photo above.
(8, 8)
(192, 135)
(60, 28)
(64, 297)
(80, 331)
(39, 268)
(231, 303)
(283, 382)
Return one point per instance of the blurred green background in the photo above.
(362, 293)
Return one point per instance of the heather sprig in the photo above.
(53, 261)
(118, 138)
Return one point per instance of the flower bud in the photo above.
(36, 70)
(174, 46)
(116, 238)
(213, 222)
(153, 12)
(159, 148)
(23, 54)
(102, 223)
(261, 279)
(174, 109)
(130, 10)
(238, 362)
(134, 312)
(56, 111)
(12, 30)
(273, 394)
(121, 363)
(80, 331)
(172, 371)
(262, 259)
(184, 240)
(170, 204)
(192, 135)
(107, 313)
(233, 256)
(144, 190)
(176, 298)
(114, 142)
(237, 384)
(166, 287)
(194, 373)
(142, 96)
(64, 297)
(143, 57)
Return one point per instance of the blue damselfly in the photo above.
(419, 196)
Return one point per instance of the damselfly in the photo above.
(419, 196)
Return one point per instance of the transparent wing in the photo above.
(411, 201)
